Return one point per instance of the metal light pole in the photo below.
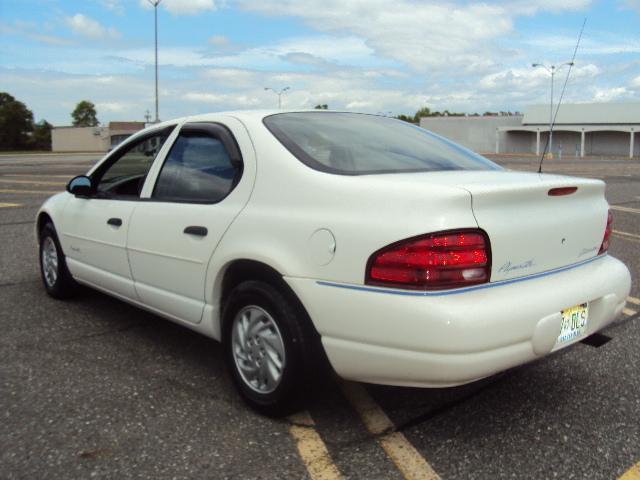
(155, 4)
(279, 94)
(552, 69)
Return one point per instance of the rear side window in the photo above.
(353, 144)
(197, 169)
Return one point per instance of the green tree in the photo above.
(423, 112)
(41, 138)
(16, 123)
(322, 106)
(405, 118)
(85, 115)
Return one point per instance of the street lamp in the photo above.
(552, 69)
(279, 94)
(155, 4)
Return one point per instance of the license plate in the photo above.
(574, 323)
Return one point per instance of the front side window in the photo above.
(197, 169)
(355, 144)
(125, 175)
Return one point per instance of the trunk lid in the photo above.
(530, 231)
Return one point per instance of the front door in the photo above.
(94, 229)
(199, 190)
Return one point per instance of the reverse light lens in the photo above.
(607, 233)
(431, 262)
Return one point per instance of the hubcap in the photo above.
(258, 349)
(49, 261)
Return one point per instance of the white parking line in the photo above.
(629, 311)
(624, 209)
(312, 449)
(9, 205)
(407, 459)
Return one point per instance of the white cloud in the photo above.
(184, 7)
(364, 55)
(425, 35)
(595, 44)
(113, 5)
(610, 94)
(531, 7)
(422, 35)
(632, 4)
(239, 100)
(32, 31)
(219, 41)
(336, 50)
(112, 107)
(87, 27)
(527, 78)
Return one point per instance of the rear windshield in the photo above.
(353, 144)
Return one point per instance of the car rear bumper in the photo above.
(437, 339)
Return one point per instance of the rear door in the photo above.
(94, 229)
(198, 191)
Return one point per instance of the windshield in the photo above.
(352, 144)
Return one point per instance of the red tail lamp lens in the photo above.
(433, 262)
(607, 233)
(561, 191)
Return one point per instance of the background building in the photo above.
(579, 130)
(92, 139)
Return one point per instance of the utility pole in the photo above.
(552, 69)
(155, 4)
(279, 94)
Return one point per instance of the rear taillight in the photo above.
(431, 262)
(607, 233)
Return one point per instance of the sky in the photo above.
(375, 56)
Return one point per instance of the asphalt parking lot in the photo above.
(94, 387)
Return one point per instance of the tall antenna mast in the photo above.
(564, 87)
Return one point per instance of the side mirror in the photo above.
(80, 186)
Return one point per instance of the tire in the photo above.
(56, 278)
(280, 343)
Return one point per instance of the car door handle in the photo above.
(116, 222)
(195, 230)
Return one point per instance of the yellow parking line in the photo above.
(629, 311)
(624, 209)
(32, 182)
(312, 449)
(404, 455)
(9, 205)
(30, 192)
(634, 300)
(632, 474)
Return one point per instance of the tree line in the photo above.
(19, 131)
(426, 112)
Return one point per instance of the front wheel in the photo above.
(53, 267)
(268, 347)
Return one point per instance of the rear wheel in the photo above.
(55, 275)
(268, 348)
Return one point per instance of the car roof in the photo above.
(245, 114)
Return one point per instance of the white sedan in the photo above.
(295, 237)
